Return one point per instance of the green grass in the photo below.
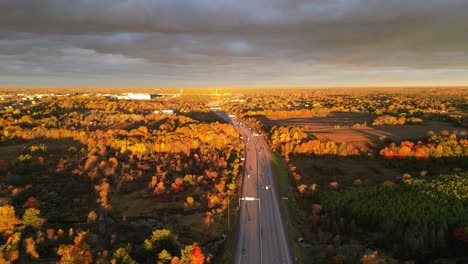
(227, 249)
(10, 153)
(290, 213)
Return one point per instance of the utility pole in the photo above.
(229, 217)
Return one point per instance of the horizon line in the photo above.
(230, 87)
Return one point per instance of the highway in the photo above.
(261, 232)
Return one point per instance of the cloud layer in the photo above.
(229, 43)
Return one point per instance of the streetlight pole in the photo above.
(228, 209)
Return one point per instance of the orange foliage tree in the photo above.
(79, 252)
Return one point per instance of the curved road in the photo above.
(261, 237)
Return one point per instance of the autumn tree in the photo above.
(30, 247)
(103, 190)
(8, 220)
(164, 257)
(197, 256)
(32, 202)
(302, 188)
(192, 254)
(92, 216)
(31, 218)
(122, 256)
(10, 251)
(175, 260)
(78, 253)
(189, 202)
(160, 239)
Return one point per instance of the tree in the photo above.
(371, 258)
(113, 162)
(30, 247)
(92, 216)
(197, 256)
(164, 257)
(175, 260)
(189, 201)
(160, 188)
(78, 253)
(301, 188)
(103, 190)
(9, 252)
(32, 203)
(176, 186)
(185, 254)
(162, 238)
(122, 256)
(31, 218)
(8, 220)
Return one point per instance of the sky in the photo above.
(233, 43)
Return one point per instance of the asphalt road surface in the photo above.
(262, 237)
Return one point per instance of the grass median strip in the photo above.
(293, 226)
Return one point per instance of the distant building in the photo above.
(139, 96)
(165, 111)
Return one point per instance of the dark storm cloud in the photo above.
(171, 39)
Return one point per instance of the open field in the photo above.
(341, 127)
(344, 170)
(170, 213)
(10, 153)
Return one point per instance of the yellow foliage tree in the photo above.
(8, 220)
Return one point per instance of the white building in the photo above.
(139, 96)
(165, 111)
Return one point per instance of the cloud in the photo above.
(183, 40)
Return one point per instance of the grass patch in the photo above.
(226, 252)
(10, 153)
(293, 226)
(172, 214)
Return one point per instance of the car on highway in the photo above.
(267, 187)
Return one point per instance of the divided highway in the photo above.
(261, 232)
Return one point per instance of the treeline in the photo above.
(396, 121)
(426, 217)
(89, 111)
(289, 140)
(443, 145)
(160, 247)
(448, 105)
